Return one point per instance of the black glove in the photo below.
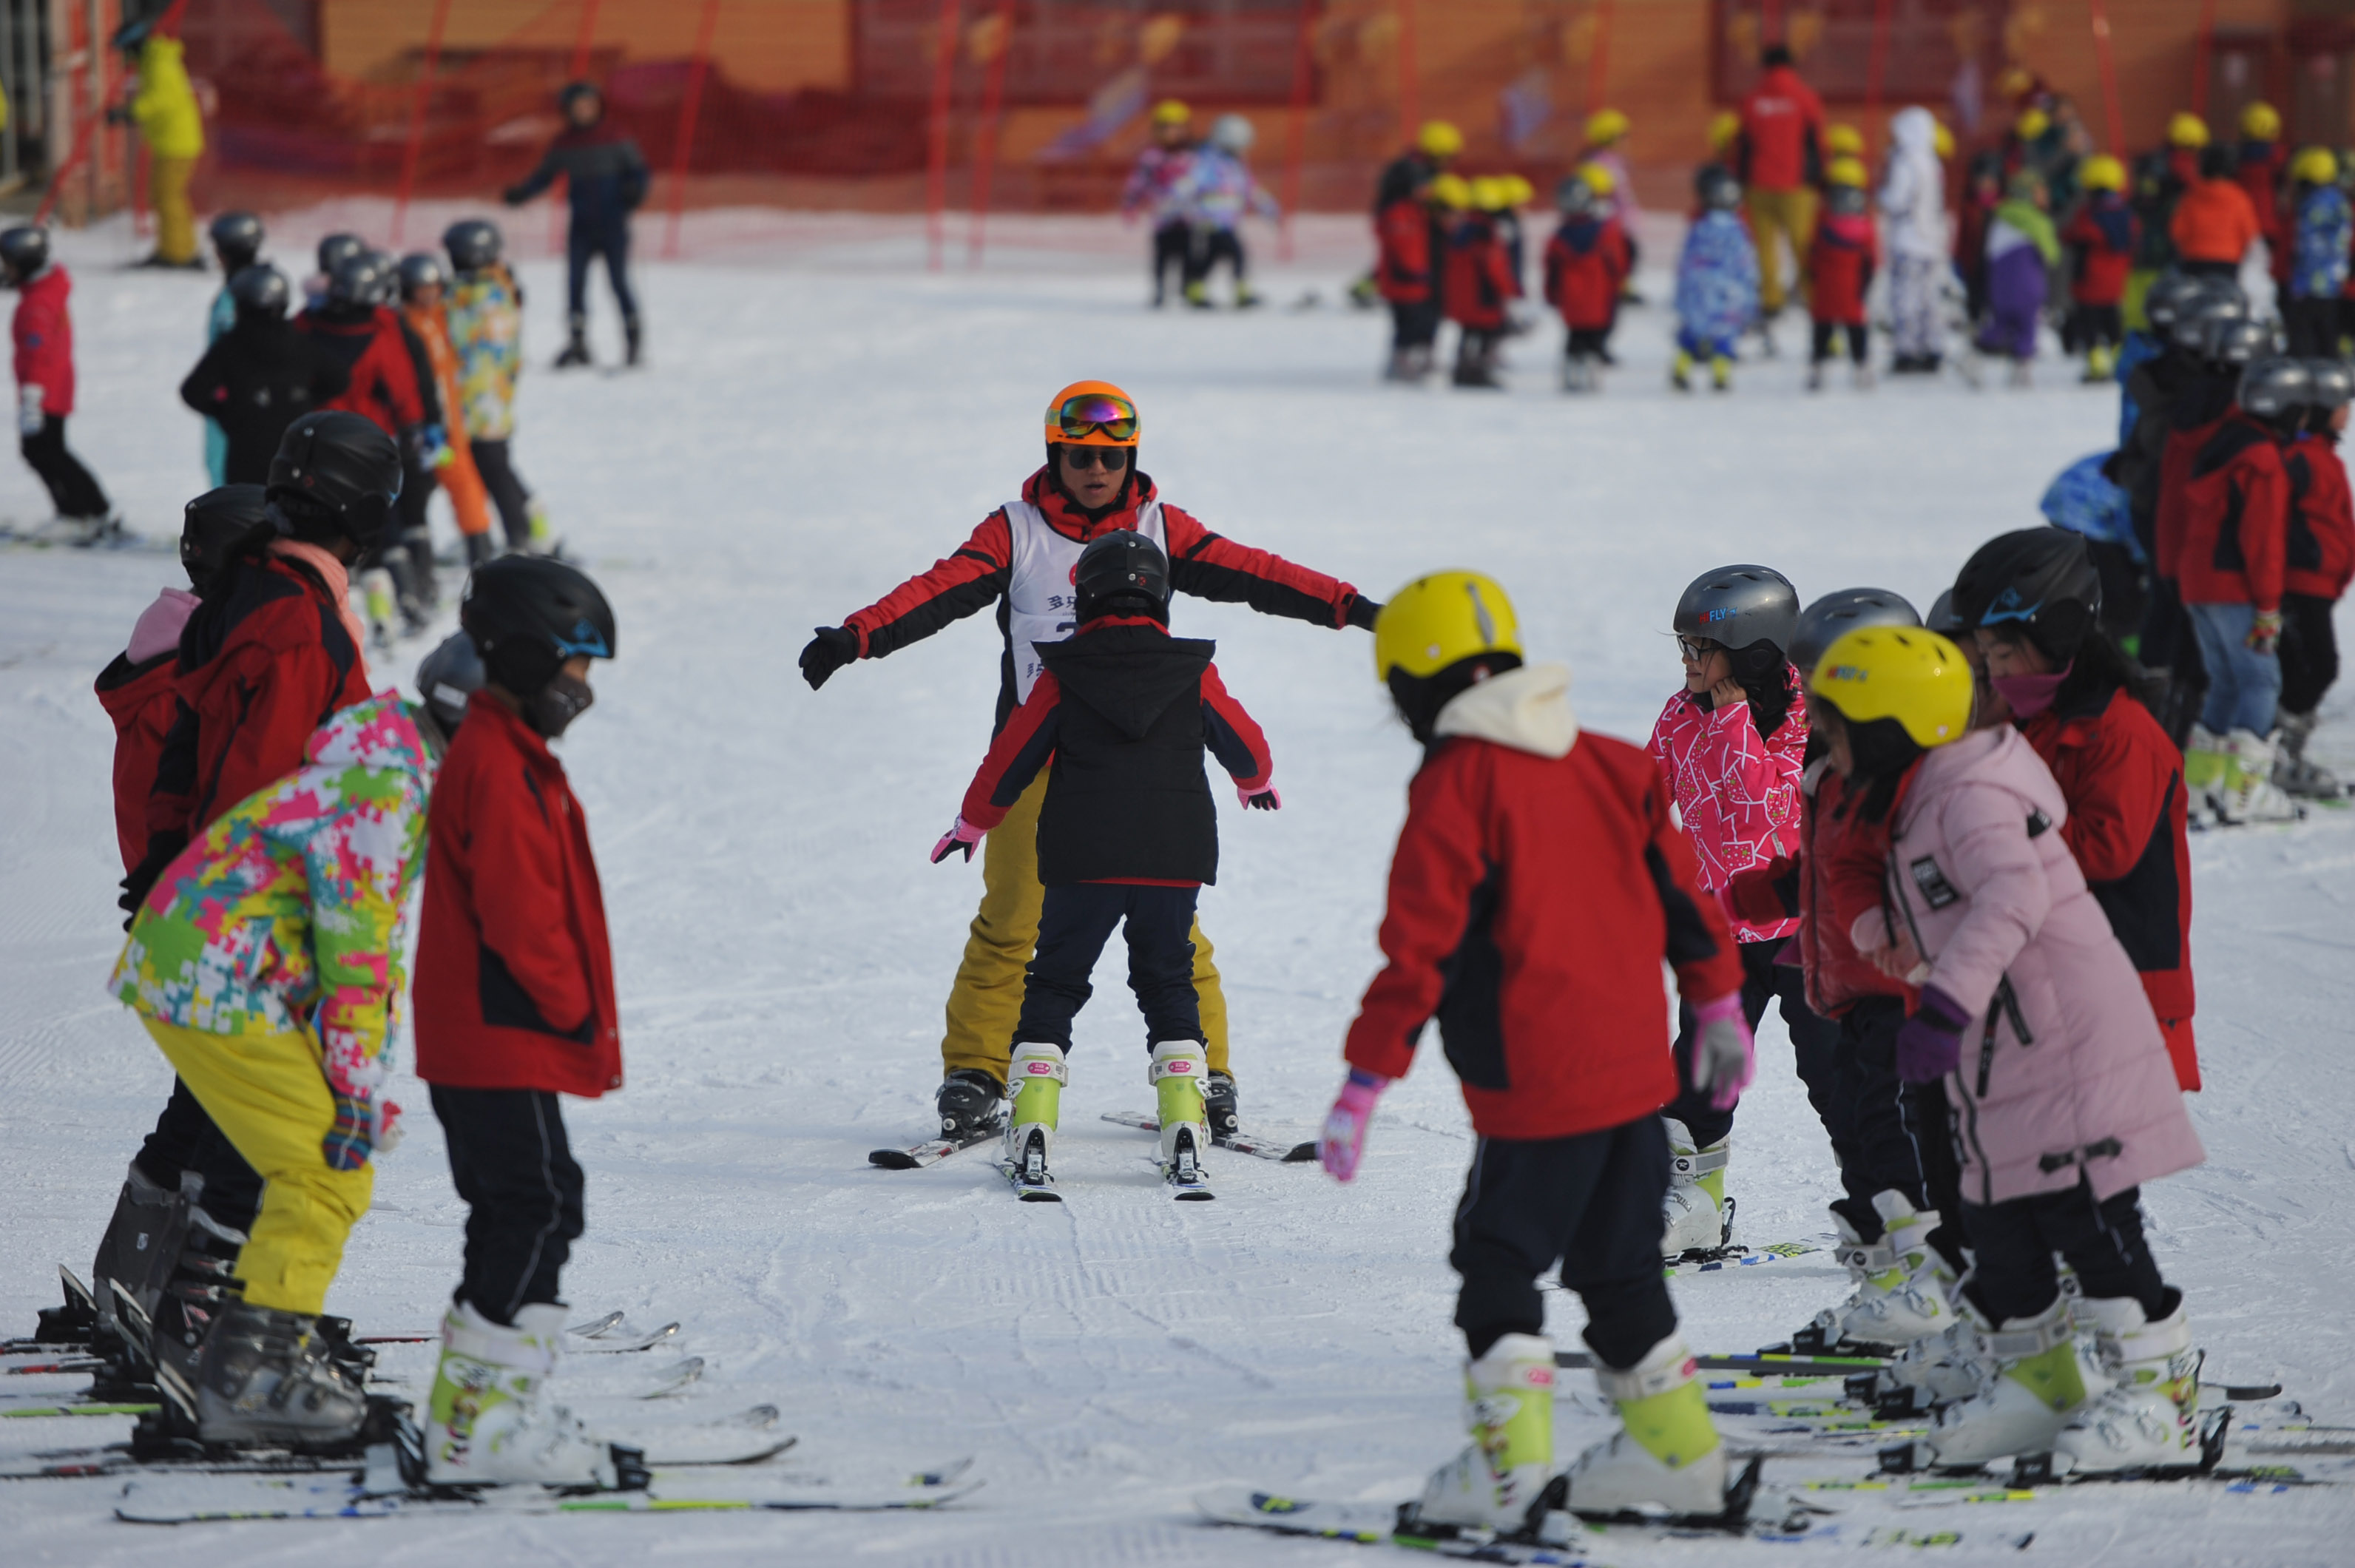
(1362, 611)
(161, 850)
(832, 648)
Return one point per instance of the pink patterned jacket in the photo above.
(1737, 793)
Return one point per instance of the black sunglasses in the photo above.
(1698, 648)
(1108, 457)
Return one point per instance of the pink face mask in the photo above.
(2029, 694)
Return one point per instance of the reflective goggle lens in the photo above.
(1093, 412)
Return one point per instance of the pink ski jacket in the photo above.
(1737, 793)
(2065, 1074)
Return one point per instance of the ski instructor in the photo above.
(1021, 558)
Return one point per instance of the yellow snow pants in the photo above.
(176, 220)
(267, 1095)
(1791, 214)
(987, 1001)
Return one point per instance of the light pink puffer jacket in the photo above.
(2064, 1069)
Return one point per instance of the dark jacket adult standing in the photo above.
(260, 376)
(604, 180)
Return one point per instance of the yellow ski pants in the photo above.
(987, 1001)
(267, 1095)
(1791, 214)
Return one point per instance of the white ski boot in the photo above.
(2036, 1391)
(1177, 1074)
(1666, 1457)
(1945, 1369)
(381, 599)
(1864, 378)
(488, 1420)
(1696, 1217)
(2250, 794)
(1500, 1475)
(2292, 771)
(1903, 1284)
(1036, 1076)
(2203, 769)
(1816, 377)
(2148, 1420)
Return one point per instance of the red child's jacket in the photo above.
(1533, 895)
(1586, 264)
(2320, 556)
(1403, 272)
(2102, 234)
(2235, 518)
(391, 383)
(140, 691)
(514, 978)
(43, 329)
(2195, 416)
(1477, 278)
(2127, 826)
(1841, 259)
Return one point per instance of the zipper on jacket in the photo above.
(1987, 1053)
(2009, 1000)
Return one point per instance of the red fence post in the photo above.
(1598, 64)
(688, 109)
(936, 158)
(1876, 73)
(985, 144)
(2113, 119)
(1296, 123)
(1409, 89)
(408, 153)
(2203, 43)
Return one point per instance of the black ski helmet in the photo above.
(1823, 623)
(572, 92)
(421, 270)
(2165, 301)
(473, 243)
(2229, 343)
(1942, 618)
(337, 249)
(237, 239)
(387, 276)
(451, 673)
(215, 528)
(24, 250)
(1573, 195)
(1845, 201)
(2276, 388)
(337, 468)
(1740, 606)
(2037, 581)
(356, 282)
(2218, 301)
(260, 289)
(1716, 188)
(1122, 572)
(527, 615)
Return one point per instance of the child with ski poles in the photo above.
(1732, 744)
(1118, 719)
(515, 1006)
(1539, 882)
(2031, 1013)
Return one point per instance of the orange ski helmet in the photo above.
(1093, 413)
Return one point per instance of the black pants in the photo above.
(2090, 324)
(513, 1167)
(1173, 250)
(2313, 326)
(1414, 323)
(186, 1139)
(2125, 598)
(508, 491)
(585, 244)
(2230, 269)
(1814, 1043)
(1930, 1124)
(2309, 652)
(409, 555)
(1859, 341)
(2103, 1241)
(72, 491)
(1588, 343)
(2168, 644)
(1212, 246)
(1592, 1202)
(1075, 922)
(1870, 1139)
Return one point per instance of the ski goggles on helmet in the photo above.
(1097, 413)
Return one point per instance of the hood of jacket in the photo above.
(1914, 130)
(160, 624)
(1065, 515)
(380, 732)
(1128, 671)
(1526, 709)
(2001, 757)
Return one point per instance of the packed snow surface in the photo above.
(821, 417)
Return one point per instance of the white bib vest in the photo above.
(1040, 604)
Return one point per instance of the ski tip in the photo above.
(893, 1160)
(1038, 1196)
(1194, 1195)
(1301, 1154)
(595, 1326)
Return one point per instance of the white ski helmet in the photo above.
(1232, 134)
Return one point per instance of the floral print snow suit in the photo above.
(486, 316)
(1737, 793)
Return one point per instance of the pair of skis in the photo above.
(932, 1151)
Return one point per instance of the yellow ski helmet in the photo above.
(2185, 129)
(1172, 111)
(1441, 619)
(2315, 165)
(1596, 178)
(1846, 171)
(2261, 121)
(1942, 140)
(1519, 192)
(1723, 127)
(1451, 191)
(2032, 123)
(1917, 677)
(1439, 139)
(2102, 172)
(1605, 126)
(1843, 141)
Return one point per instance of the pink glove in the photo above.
(1343, 1142)
(1264, 798)
(1725, 1055)
(964, 836)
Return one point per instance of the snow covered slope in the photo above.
(816, 425)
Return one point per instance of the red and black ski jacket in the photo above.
(144, 700)
(2128, 828)
(1204, 564)
(1586, 264)
(1402, 270)
(1126, 711)
(1841, 259)
(1835, 876)
(2102, 234)
(1531, 901)
(2194, 415)
(391, 380)
(262, 663)
(515, 973)
(2235, 515)
(2321, 553)
(1475, 280)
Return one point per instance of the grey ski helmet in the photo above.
(2168, 296)
(260, 289)
(473, 243)
(2334, 383)
(237, 239)
(1826, 620)
(1942, 618)
(2217, 302)
(337, 249)
(2275, 388)
(1736, 606)
(2229, 342)
(451, 673)
(24, 250)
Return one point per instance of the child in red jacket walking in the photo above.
(2102, 235)
(1539, 882)
(1841, 259)
(43, 331)
(1127, 836)
(2318, 562)
(1586, 266)
(515, 1005)
(1475, 281)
